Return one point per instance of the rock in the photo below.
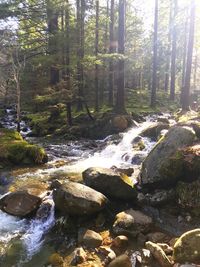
(156, 237)
(109, 253)
(131, 222)
(121, 241)
(162, 166)
(159, 254)
(146, 257)
(120, 261)
(166, 248)
(138, 158)
(188, 196)
(187, 247)
(154, 130)
(128, 171)
(17, 151)
(158, 197)
(120, 122)
(77, 199)
(20, 203)
(110, 183)
(45, 208)
(55, 260)
(163, 120)
(79, 256)
(90, 238)
(136, 259)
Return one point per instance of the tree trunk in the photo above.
(18, 106)
(186, 90)
(96, 54)
(80, 50)
(52, 22)
(167, 70)
(155, 57)
(184, 56)
(111, 51)
(120, 101)
(173, 56)
(68, 78)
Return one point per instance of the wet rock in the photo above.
(136, 259)
(110, 183)
(187, 247)
(120, 261)
(128, 171)
(45, 208)
(90, 238)
(159, 254)
(121, 241)
(79, 256)
(20, 203)
(154, 130)
(156, 237)
(162, 166)
(158, 198)
(138, 158)
(77, 199)
(131, 222)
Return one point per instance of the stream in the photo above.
(26, 241)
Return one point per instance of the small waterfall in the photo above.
(39, 226)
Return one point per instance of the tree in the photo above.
(111, 51)
(96, 54)
(173, 55)
(120, 100)
(186, 89)
(155, 57)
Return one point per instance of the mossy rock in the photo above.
(187, 247)
(16, 151)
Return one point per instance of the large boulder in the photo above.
(131, 222)
(77, 199)
(187, 247)
(20, 203)
(110, 183)
(162, 166)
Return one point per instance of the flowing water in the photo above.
(30, 234)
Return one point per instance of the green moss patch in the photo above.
(16, 151)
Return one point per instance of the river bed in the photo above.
(28, 242)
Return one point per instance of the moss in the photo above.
(15, 150)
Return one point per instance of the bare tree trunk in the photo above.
(186, 89)
(120, 101)
(68, 78)
(18, 105)
(173, 56)
(155, 57)
(96, 54)
(167, 70)
(184, 57)
(111, 51)
(80, 50)
(52, 21)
